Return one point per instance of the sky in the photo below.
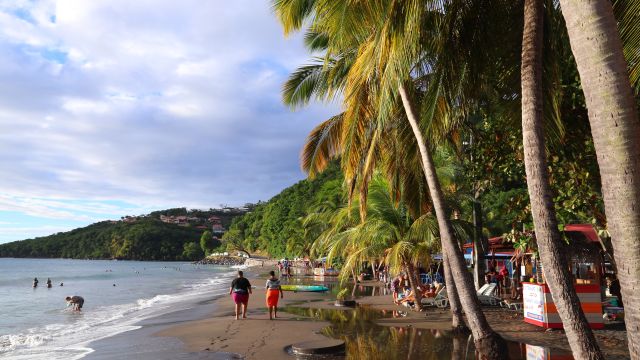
(121, 107)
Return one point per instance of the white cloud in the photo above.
(157, 103)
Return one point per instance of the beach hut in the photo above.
(588, 263)
(585, 255)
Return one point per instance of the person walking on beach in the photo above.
(239, 291)
(273, 292)
(396, 287)
(76, 301)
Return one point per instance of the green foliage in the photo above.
(191, 251)
(207, 242)
(276, 226)
(342, 294)
(145, 239)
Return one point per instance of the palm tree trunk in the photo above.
(411, 273)
(615, 127)
(581, 338)
(479, 248)
(457, 321)
(488, 342)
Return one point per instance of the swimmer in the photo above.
(35, 282)
(75, 301)
(49, 283)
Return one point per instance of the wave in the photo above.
(70, 340)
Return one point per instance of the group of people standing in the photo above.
(284, 267)
(76, 302)
(49, 284)
(241, 289)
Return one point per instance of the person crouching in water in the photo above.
(75, 301)
(239, 291)
(273, 292)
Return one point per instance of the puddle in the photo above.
(356, 291)
(289, 351)
(364, 339)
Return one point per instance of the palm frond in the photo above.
(323, 144)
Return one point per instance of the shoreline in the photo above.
(217, 334)
(142, 342)
(260, 338)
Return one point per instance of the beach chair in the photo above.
(440, 298)
(482, 289)
(517, 306)
(443, 300)
(486, 295)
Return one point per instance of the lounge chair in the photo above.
(443, 301)
(440, 300)
(517, 306)
(486, 296)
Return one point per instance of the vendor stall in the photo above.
(585, 262)
(540, 310)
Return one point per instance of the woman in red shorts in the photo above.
(239, 291)
(273, 292)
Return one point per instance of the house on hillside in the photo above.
(217, 229)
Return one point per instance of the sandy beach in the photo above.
(410, 334)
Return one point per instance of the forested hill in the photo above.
(133, 237)
(276, 227)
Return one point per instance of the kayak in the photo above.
(305, 288)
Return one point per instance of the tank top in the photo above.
(273, 284)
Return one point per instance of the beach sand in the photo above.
(256, 337)
(260, 338)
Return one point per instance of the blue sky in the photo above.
(113, 107)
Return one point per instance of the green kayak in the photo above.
(307, 288)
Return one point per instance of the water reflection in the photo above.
(334, 286)
(364, 339)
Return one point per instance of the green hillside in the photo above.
(133, 238)
(275, 226)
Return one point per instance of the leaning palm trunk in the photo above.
(488, 342)
(583, 343)
(615, 127)
(411, 274)
(457, 321)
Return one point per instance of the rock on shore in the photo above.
(221, 260)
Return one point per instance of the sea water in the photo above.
(36, 323)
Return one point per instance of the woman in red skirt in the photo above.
(239, 291)
(273, 293)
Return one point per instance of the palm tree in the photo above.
(613, 115)
(486, 339)
(388, 234)
(359, 78)
(548, 237)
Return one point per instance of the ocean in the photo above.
(35, 322)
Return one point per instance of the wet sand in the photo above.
(256, 337)
(260, 338)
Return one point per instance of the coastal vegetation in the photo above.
(417, 78)
(132, 238)
(276, 227)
